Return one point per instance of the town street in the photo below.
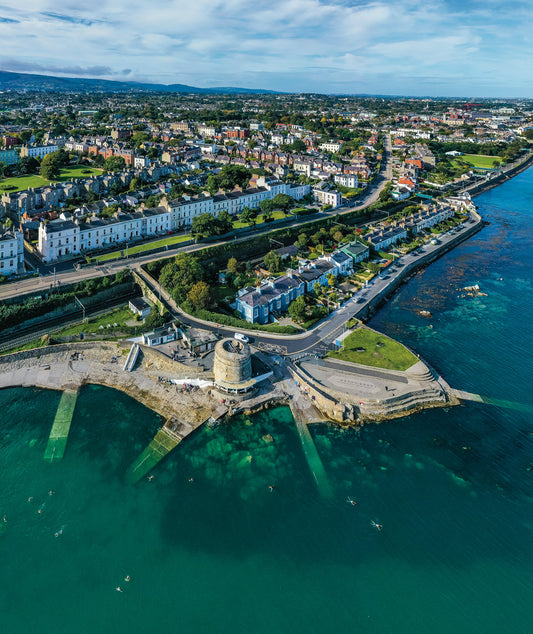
(67, 273)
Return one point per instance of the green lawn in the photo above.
(118, 316)
(480, 160)
(277, 215)
(23, 182)
(377, 350)
(140, 248)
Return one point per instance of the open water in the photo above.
(224, 554)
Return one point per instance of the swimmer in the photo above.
(127, 578)
(118, 589)
(271, 488)
(5, 519)
(351, 501)
(59, 532)
(150, 478)
(30, 498)
(50, 493)
(191, 479)
(41, 508)
(376, 525)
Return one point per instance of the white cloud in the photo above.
(326, 45)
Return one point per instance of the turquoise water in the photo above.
(222, 554)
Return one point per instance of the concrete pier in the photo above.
(304, 413)
(162, 444)
(57, 441)
(469, 396)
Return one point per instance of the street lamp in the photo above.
(82, 306)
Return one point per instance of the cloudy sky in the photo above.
(411, 47)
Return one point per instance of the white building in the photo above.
(57, 239)
(37, 150)
(141, 161)
(327, 198)
(347, 180)
(11, 252)
(63, 237)
(331, 146)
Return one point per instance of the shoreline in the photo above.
(367, 400)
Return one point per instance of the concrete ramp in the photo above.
(305, 413)
(57, 441)
(162, 444)
(469, 396)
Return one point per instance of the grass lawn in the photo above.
(377, 350)
(277, 215)
(221, 291)
(118, 316)
(148, 246)
(480, 160)
(23, 182)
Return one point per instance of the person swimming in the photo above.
(127, 578)
(377, 526)
(351, 501)
(118, 589)
(41, 508)
(271, 488)
(150, 478)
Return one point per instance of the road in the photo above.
(72, 275)
(321, 338)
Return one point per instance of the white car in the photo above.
(240, 337)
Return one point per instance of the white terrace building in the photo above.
(11, 252)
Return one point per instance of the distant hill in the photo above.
(48, 83)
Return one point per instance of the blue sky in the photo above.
(410, 47)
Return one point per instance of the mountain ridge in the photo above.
(50, 83)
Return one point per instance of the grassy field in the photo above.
(375, 350)
(277, 215)
(23, 182)
(480, 160)
(140, 248)
(118, 316)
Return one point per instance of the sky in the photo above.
(395, 47)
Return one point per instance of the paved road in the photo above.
(321, 338)
(66, 272)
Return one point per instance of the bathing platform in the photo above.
(57, 441)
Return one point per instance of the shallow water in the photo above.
(452, 489)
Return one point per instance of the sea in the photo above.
(428, 526)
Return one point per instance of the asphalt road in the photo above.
(321, 338)
(66, 272)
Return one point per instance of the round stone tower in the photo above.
(233, 366)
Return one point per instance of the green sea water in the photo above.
(452, 489)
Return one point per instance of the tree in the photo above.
(225, 222)
(317, 287)
(115, 163)
(273, 262)
(298, 309)
(248, 215)
(28, 165)
(232, 265)
(283, 202)
(200, 295)
(99, 160)
(331, 279)
(51, 166)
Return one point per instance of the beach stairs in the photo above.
(132, 357)
(161, 445)
(57, 441)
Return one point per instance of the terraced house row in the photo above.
(72, 235)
